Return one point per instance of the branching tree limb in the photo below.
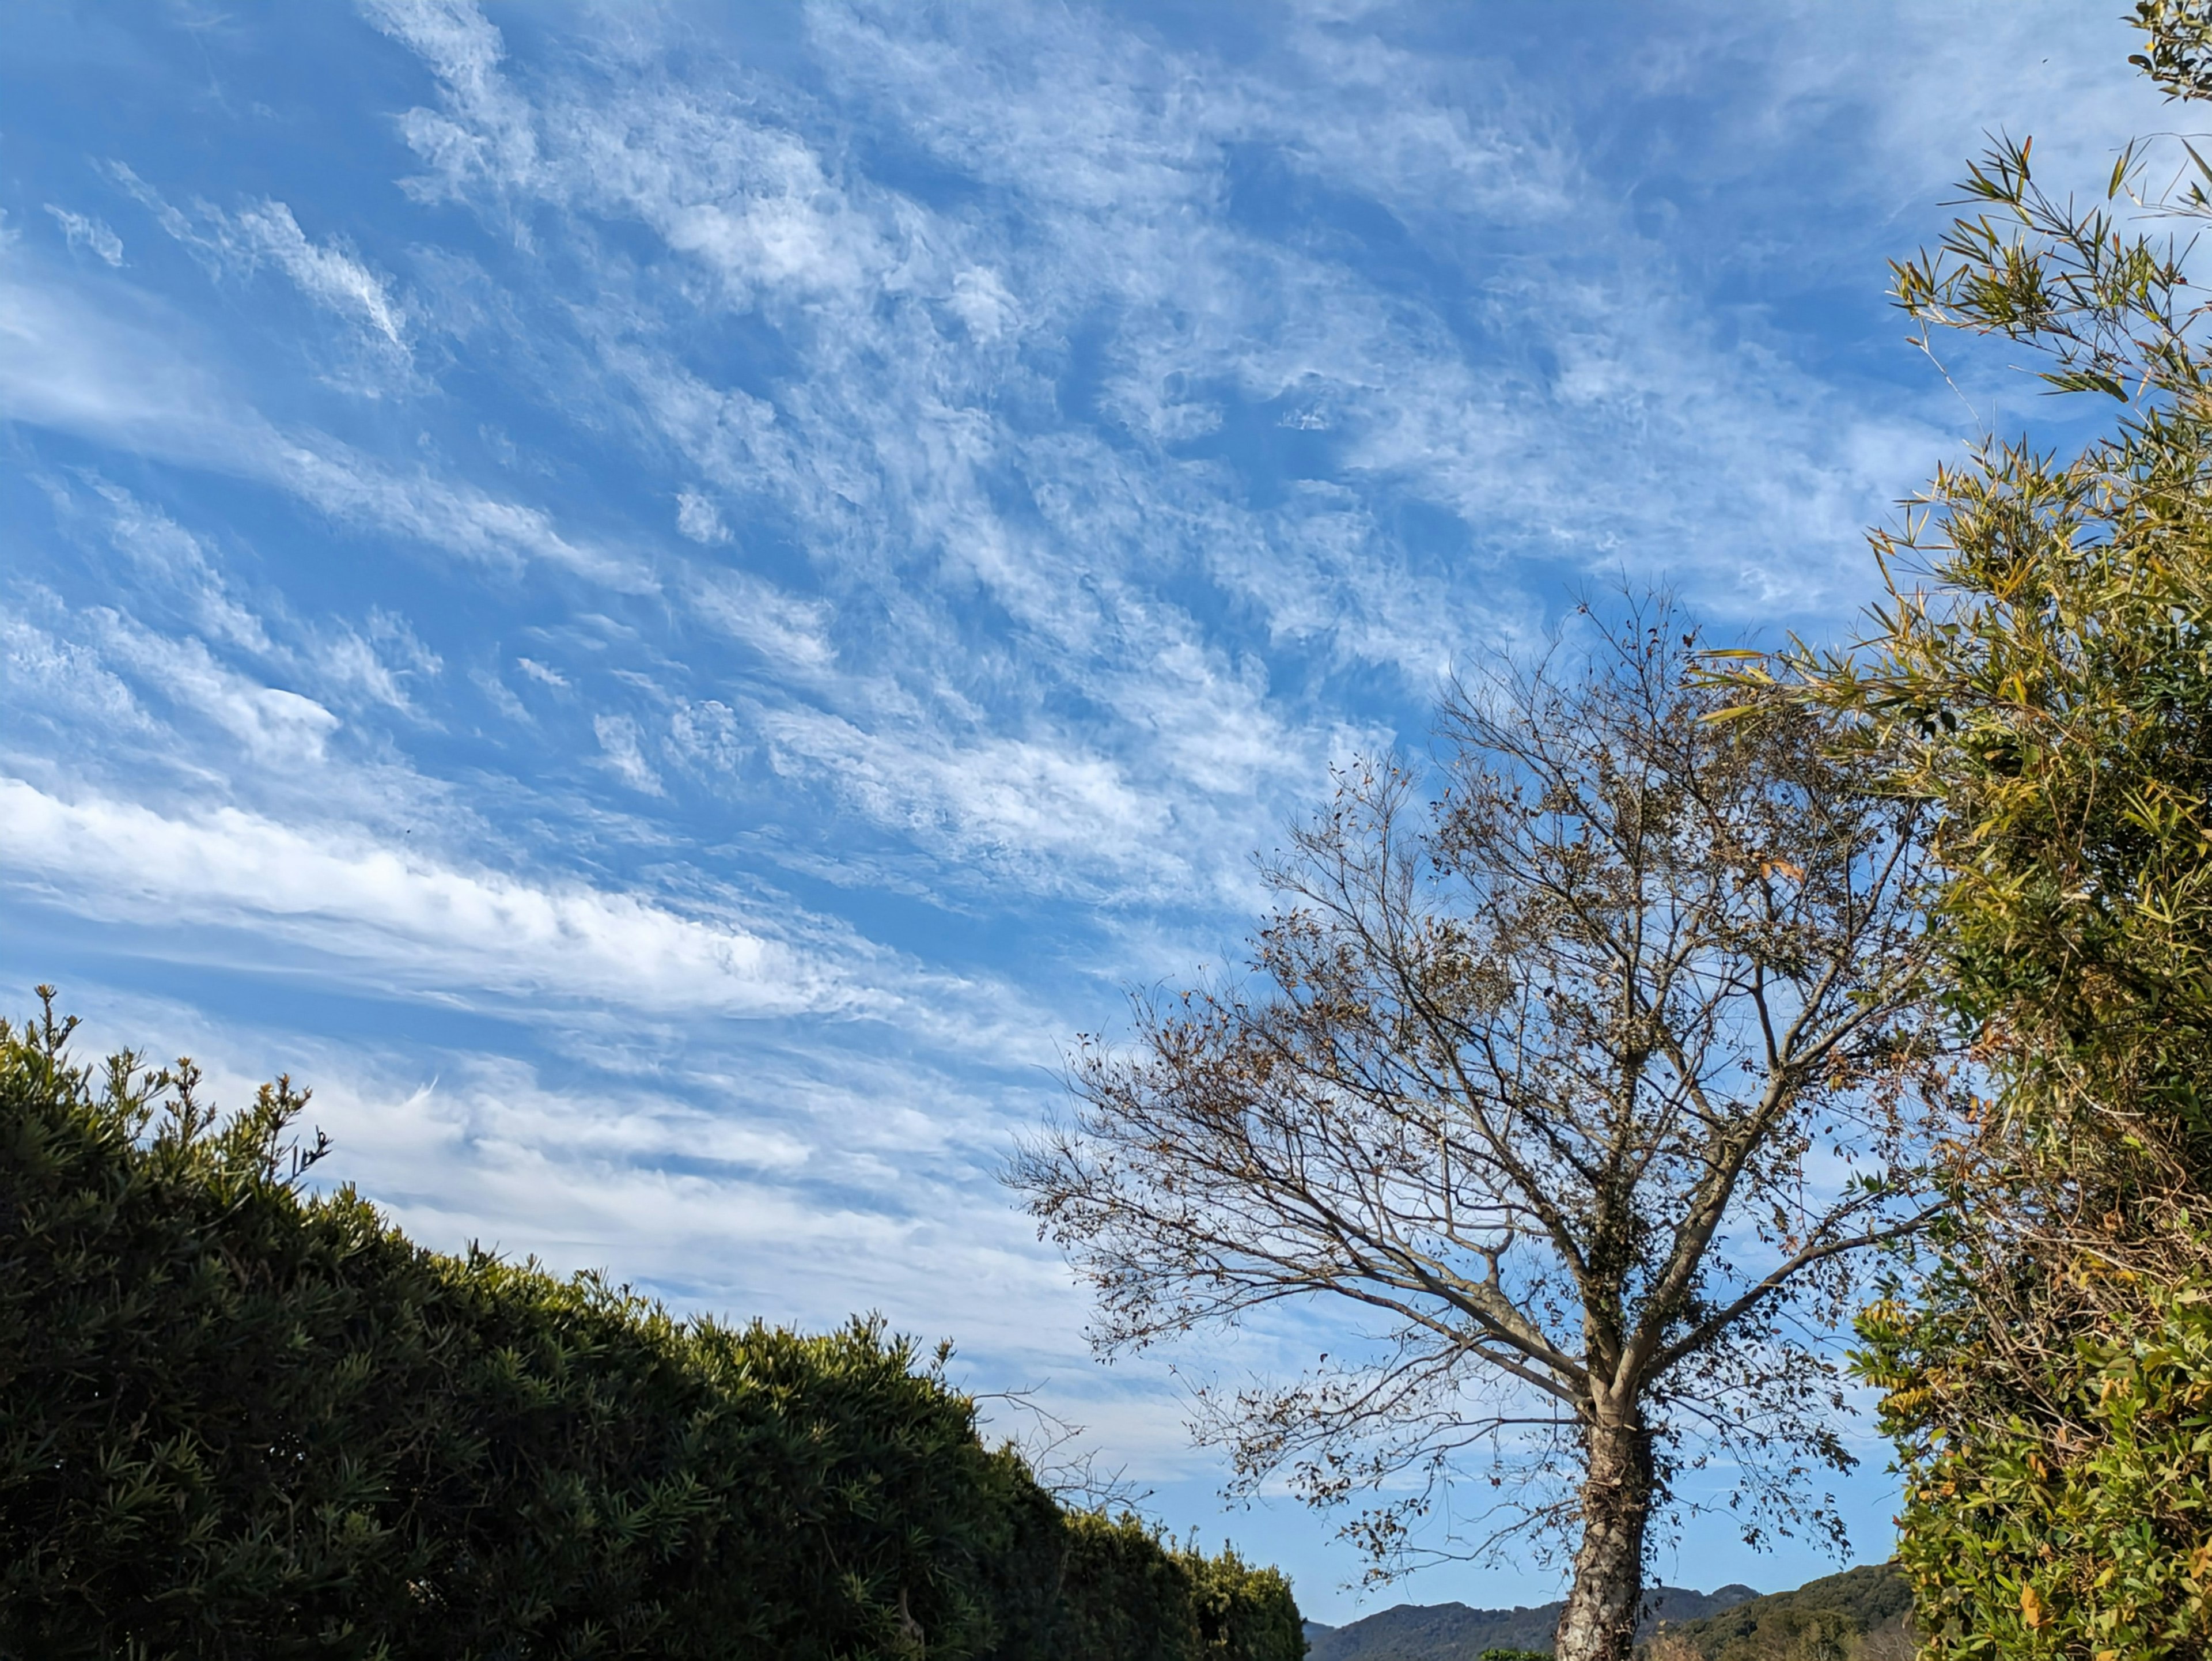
(1587, 1082)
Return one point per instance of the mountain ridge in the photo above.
(1863, 1614)
(1454, 1632)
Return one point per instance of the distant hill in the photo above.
(1453, 1632)
(1859, 1615)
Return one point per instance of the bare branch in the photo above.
(1528, 1072)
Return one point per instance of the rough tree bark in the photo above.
(1605, 1598)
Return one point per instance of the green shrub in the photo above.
(1130, 1593)
(2087, 1533)
(2040, 676)
(240, 1420)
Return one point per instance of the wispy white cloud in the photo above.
(1642, 438)
(697, 517)
(166, 556)
(705, 734)
(887, 445)
(326, 273)
(620, 752)
(994, 797)
(274, 724)
(84, 231)
(46, 673)
(329, 274)
(84, 369)
(794, 634)
(166, 214)
(176, 579)
(457, 517)
(379, 665)
(1464, 413)
(464, 50)
(426, 925)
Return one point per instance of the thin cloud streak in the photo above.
(83, 369)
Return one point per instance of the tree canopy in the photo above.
(1585, 1085)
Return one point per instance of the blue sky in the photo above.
(664, 602)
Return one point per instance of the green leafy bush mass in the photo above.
(238, 1418)
(2041, 675)
(2087, 1532)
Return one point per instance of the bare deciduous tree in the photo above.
(1589, 1082)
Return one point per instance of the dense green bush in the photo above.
(237, 1419)
(2041, 675)
(1134, 1595)
(2087, 1532)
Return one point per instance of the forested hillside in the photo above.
(1453, 1632)
(1861, 1614)
(240, 1419)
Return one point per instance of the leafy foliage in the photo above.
(2177, 52)
(237, 1420)
(2041, 674)
(1140, 1595)
(2086, 1530)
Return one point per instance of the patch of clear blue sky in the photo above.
(664, 601)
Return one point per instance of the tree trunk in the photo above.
(1599, 1622)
